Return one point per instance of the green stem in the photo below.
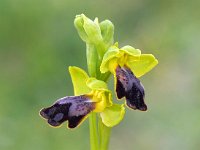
(104, 135)
(94, 140)
(91, 62)
(104, 131)
(92, 58)
(99, 139)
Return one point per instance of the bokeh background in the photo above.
(38, 42)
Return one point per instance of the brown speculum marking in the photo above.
(130, 87)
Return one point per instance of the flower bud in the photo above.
(88, 30)
(107, 32)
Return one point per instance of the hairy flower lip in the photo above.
(71, 108)
(130, 87)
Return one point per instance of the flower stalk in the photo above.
(99, 137)
(104, 135)
(94, 138)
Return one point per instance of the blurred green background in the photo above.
(38, 42)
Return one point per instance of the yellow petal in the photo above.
(115, 56)
(112, 52)
(130, 50)
(111, 116)
(95, 84)
(143, 65)
(79, 78)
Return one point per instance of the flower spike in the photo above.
(92, 98)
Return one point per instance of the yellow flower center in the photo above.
(100, 98)
(122, 59)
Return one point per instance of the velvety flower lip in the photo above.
(71, 108)
(130, 87)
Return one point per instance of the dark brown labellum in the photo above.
(72, 109)
(130, 87)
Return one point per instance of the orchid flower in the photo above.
(92, 95)
(128, 64)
